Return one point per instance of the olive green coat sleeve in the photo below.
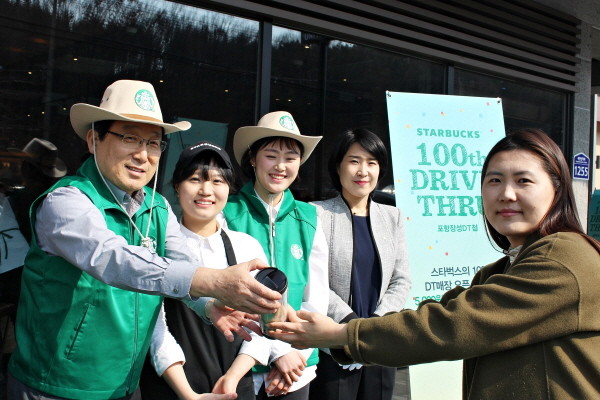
(541, 312)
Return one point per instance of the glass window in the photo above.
(203, 65)
(57, 53)
(357, 80)
(524, 106)
(330, 86)
(297, 87)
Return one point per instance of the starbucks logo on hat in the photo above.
(296, 251)
(145, 100)
(287, 122)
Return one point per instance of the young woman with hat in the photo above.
(186, 351)
(290, 234)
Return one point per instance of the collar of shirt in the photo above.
(210, 251)
(130, 204)
(211, 242)
(513, 252)
(276, 207)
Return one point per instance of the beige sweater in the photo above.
(532, 332)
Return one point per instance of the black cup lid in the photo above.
(273, 278)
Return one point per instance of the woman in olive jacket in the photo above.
(528, 327)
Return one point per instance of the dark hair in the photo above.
(102, 127)
(368, 141)
(283, 141)
(562, 214)
(204, 161)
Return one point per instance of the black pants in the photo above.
(10, 285)
(367, 383)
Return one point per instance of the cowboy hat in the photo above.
(277, 123)
(43, 154)
(124, 100)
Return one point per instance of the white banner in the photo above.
(438, 146)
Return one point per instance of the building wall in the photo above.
(596, 160)
(588, 11)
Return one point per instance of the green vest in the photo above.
(77, 337)
(294, 228)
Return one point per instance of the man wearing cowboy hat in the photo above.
(105, 249)
(40, 169)
(43, 155)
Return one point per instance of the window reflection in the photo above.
(203, 65)
(523, 105)
(57, 53)
(297, 87)
(357, 80)
(330, 86)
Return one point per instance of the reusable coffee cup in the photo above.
(276, 280)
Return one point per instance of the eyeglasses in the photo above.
(133, 142)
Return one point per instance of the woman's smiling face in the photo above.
(276, 167)
(202, 199)
(358, 172)
(517, 193)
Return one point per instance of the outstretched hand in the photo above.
(230, 321)
(309, 330)
(236, 288)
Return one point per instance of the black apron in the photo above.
(208, 355)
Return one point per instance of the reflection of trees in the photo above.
(355, 80)
(190, 55)
(203, 66)
(523, 105)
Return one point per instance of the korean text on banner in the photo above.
(438, 146)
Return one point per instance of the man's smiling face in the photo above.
(130, 169)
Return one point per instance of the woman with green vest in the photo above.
(291, 236)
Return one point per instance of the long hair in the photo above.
(562, 215)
